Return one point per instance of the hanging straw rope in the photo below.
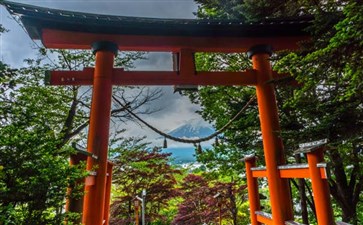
(190, 141)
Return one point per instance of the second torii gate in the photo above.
(106, 35)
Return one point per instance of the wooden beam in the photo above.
(121, 77)
(82, 77)
(291, 171)
(301, 173)
(59, 39)
(265, 218)
(173, 78)
(259, 172)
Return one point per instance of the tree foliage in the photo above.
(332, 79)
(137, 169)
(202, 200)
(249, 10)
(38, 123)
(327, 105)
(34, 166)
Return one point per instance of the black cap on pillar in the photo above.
(104, 46)
(258, 49)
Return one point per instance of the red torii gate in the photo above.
(106, 35)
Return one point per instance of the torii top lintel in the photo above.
(74, 30)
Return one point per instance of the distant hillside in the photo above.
(181, 155)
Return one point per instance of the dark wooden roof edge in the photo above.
(37, 18)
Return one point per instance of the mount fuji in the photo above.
(193, 129)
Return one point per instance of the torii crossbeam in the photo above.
(107, 35)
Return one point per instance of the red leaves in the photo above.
(136, 170)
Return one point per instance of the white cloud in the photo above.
(141, 8)
(176, 110)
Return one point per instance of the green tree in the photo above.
(198, 206)
(249, 10)
(35, 167)
(37, 124)
(205, 199)
(137, 169)
(332, 78)
(327, 105)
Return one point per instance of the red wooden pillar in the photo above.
(106, 214)
(324, 211)
(280, 197)
(252, 186)
(98, 134)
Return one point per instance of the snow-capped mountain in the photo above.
(192, 129)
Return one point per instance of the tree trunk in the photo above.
(346, 194)
(233, 204)
(302, 195)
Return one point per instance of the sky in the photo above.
(176, 110)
